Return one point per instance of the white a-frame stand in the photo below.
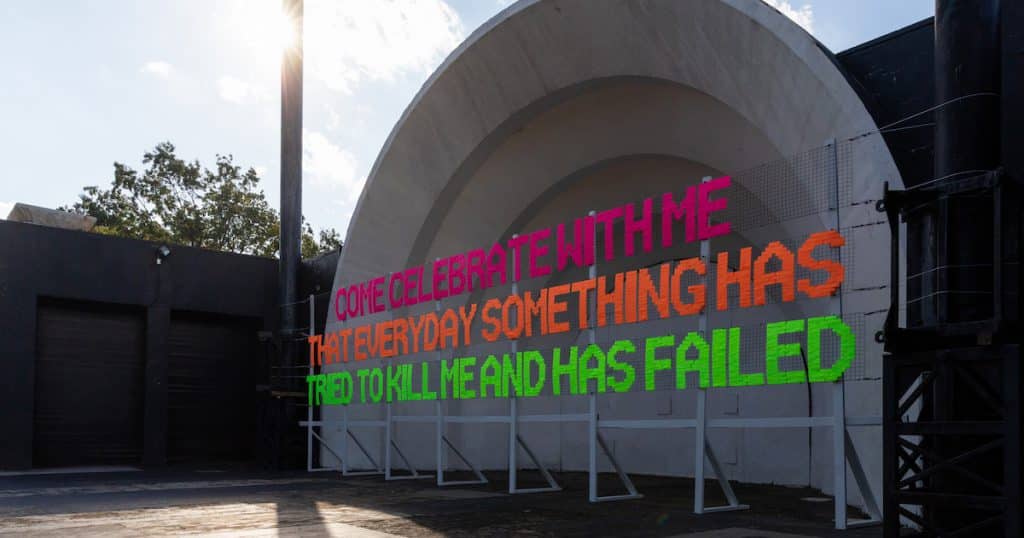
(844, 452)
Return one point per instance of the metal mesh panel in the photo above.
(803, 185)
(784, 200)
(552, 368)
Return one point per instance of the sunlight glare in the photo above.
(283, 36)
(263, 27)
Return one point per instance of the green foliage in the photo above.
(329, 240)
(184, 203)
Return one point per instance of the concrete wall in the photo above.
(40, 262)
(553, 108)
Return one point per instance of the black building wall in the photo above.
(43, 266)
(895, 77)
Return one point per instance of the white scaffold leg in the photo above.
(329, 449)
(704, 452)
(552, 484)
(702, 449)
(346, 471)
(513, 450)
(480, 478)
(839, 453)
(730, 495)
(312, 434)
(438, 445)
(870, 501)
(390, 445)
(514, 442)
(596, 440)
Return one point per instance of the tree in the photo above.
(329, 240)
(182, 202)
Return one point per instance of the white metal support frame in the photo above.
(841, 441)
(593, 430)
(439, 462)
(391, 446)
(311, 424)
(838, 388)
(844, 451)
(442, 444)
(347, 433)
(309, 404)
(702, 449)
(596, 440)
(514, 439)
(438, 435)
(594, 422)
(839, 454)
(514, 488)
(480, 478)
(870, 502)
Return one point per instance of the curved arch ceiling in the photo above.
(547, 89)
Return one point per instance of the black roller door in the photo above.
(89, 384)
(211, 393)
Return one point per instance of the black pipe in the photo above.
(953, 234)
(966, 63)
(967, 140)
(949, 259)
(291, 176)
(1012, 112)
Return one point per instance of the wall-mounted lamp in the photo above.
(162, 252)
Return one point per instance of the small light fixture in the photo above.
(162, 252)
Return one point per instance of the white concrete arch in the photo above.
(758, 64)
(523, 125)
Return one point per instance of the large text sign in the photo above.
(669, 290)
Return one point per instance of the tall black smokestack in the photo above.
(967, 142)
(291, 172)
(955, 231)
(953, 466)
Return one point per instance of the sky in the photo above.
(87, 84)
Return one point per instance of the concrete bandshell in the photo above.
(521, 126)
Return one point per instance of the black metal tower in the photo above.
(952, 375)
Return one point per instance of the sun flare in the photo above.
(263, 27)
(283, 34)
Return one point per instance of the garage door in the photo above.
(88, 381)
(211, 391)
